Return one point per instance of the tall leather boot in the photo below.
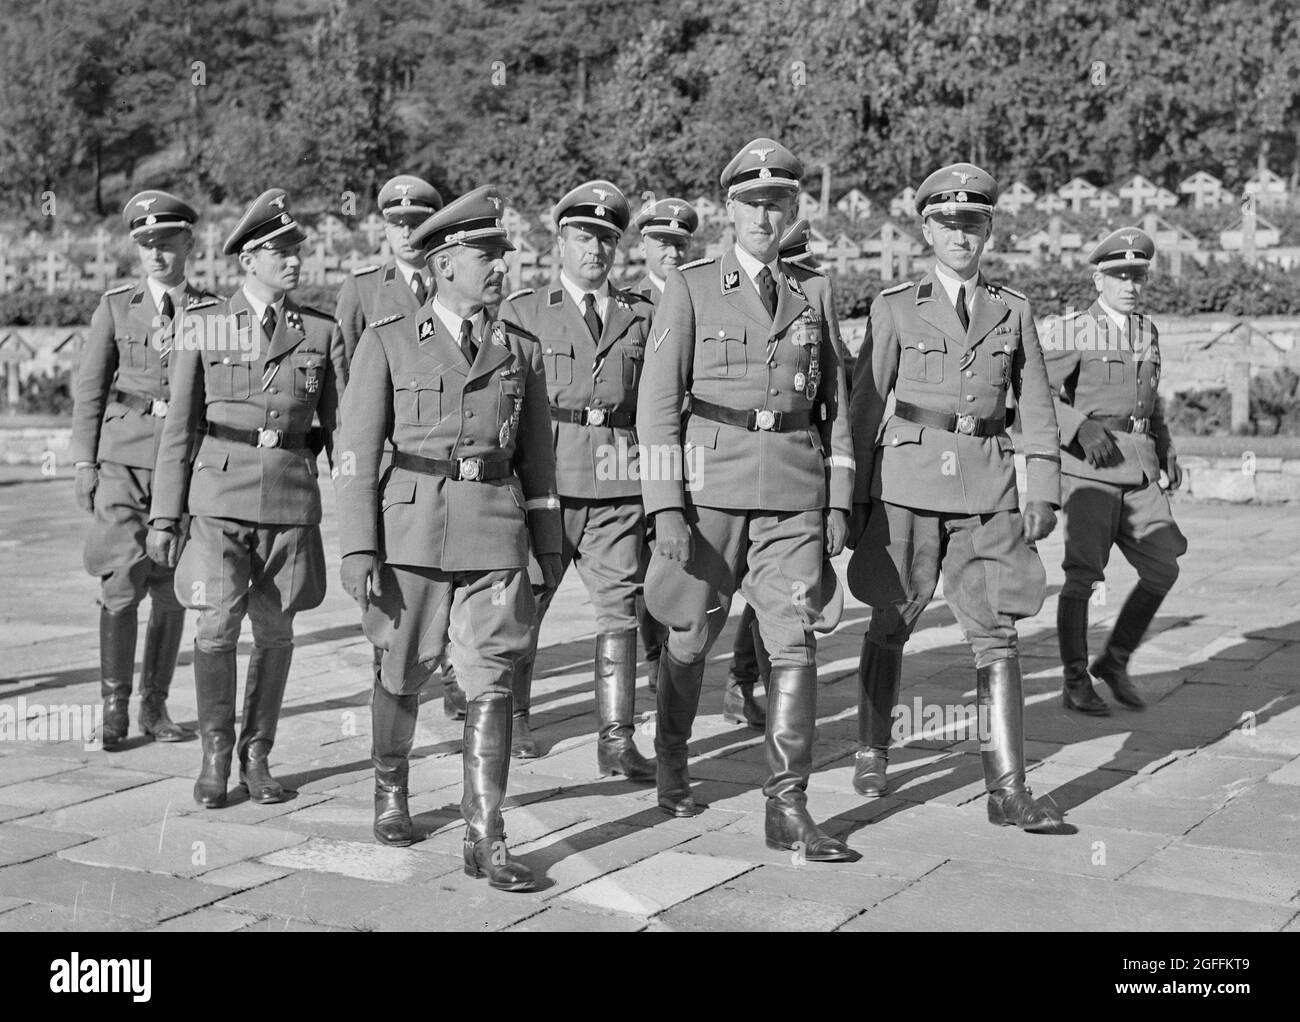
(392, 729)
(487, 769)
(653, 637)
(791, 727)
(1131, 625)
(1072, 634)
(268, 671)
(522, 743)
(116, 667)
(880, 673)
(677, 701)
(749, 663)
(1002, 711)
(453, 696)
(162, 642)
(214, 689)
(616, 751)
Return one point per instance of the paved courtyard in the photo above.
(1187, 815)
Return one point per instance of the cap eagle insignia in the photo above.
(762, 154)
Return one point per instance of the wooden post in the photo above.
(1248, 229)
(1054, 236)
(1239, 394)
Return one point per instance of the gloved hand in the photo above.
(857, 524)
(163, 545)
(837, 531)
(1173, 471)
(1039, 519)
(552, 568)
(673, 536)
(360, 577)
(84, 487)
(1098, 443)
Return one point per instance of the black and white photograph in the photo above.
(769, 466)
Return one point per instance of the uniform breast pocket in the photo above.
(308, 371)
(922, 359)
(1108, 369)
(724, 349)
(229, 380)
(633, 362)
(558, 357)
(132, 351)
(417, 399)
(1000, 365)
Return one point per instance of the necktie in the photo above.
(467, 344)
(963, 313)
(767, 290)
(592, 317)
(167, 309)
(417, 285)
(268, 321)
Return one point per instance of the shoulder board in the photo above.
(361, 271)
(897, 288)
(625, 295)
(387, 319)
(1072, 314)
(816, 271)
(520, 293)
(1011, 291)
(118, 290)
(316, 312)
(205, 303)
(695, 263)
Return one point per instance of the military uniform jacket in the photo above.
(292, 378)
(1096, 371)
(125, 351)
(645, 287)
(713, 339)
(372, 293)
(583, 373)
(412, 389)
(916, 349)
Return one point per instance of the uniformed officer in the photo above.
(593, 340)
(666, 227)
(253, 370)
(403, 284)
(1104, 366)
(435, 549)
(749, 663)
(941, 483)
(120, 399)
(750, 488)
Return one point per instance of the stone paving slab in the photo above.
(363, 861)
(22, 844)
(1224, 872)
(987, 896)
(67, 919)
(143, 896)
(183, 846)
(657, 883)
(567, 919)
(734, 909)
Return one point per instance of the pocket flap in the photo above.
(926, 343)
(1005, 444)
(399, 491)
(898, 433)
(722, 331)
(558, 348)
(418, 381)
(702, 435)
(214, 460)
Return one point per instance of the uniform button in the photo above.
(600, 379)
(775, 392)
(969, 373)
(226, 361)
(469, 415)
(921, 346)
(550, 351)
(895, 441)
(970, 397)
(273, 390)
(275, 414)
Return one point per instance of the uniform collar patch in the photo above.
(426, 329)
(925, 291)
(294, 318)
(794, 286)
(499, 334)
(730, 281)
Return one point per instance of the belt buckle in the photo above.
(595, 416)
(158, 407)
(1139, 425)
(471, 468)
(966, 424)
(269, 438)
(766, 419)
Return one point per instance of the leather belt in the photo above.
(755, 419)
(261, 437)
(469, 469)
(1123, 423)
(967, 425)
(594, 417)
(155, 406)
